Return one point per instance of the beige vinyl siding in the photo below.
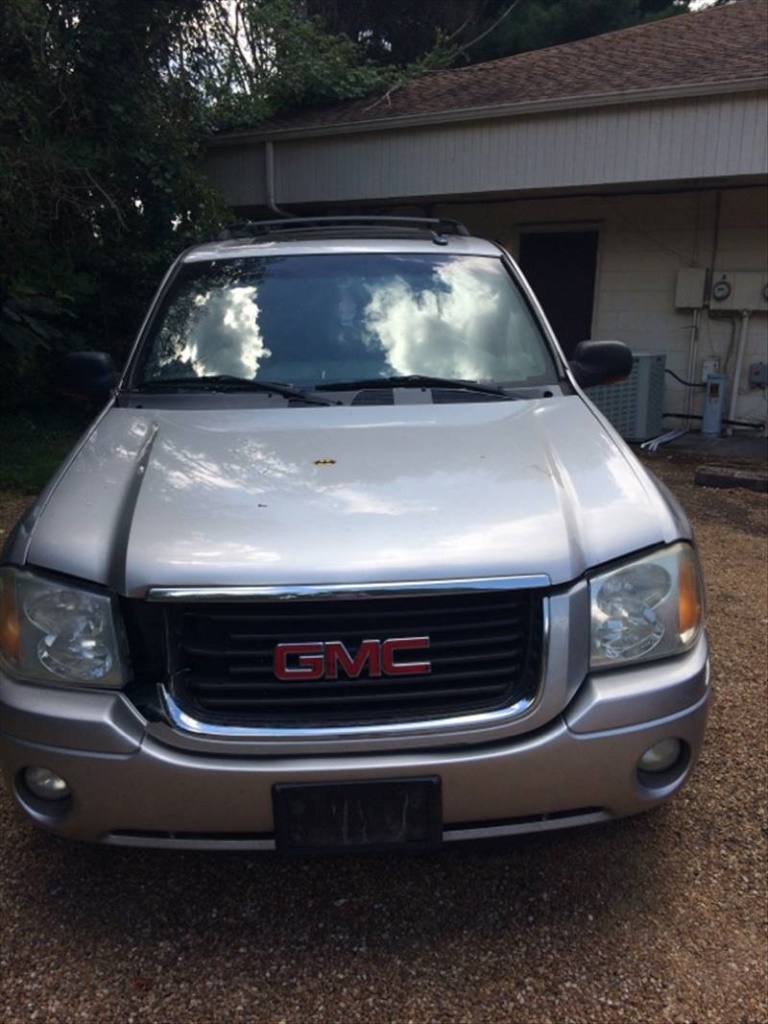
(701, 162)
(239, 172)
(691, 139)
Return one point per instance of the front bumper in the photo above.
(131, 785)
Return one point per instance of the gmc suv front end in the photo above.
(348, 561)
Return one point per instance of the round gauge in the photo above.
(721, 290)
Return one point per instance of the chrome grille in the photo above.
(485, 651)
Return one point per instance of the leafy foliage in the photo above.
(256, 57)
(399, 31)
(98, 178)
(402, 32)
(539, 23)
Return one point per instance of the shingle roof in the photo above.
(712, 47)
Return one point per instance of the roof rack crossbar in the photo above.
(437, 225)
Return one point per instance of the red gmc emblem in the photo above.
(329, 660)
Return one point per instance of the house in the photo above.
(626, 173)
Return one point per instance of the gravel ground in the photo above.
(656, 918)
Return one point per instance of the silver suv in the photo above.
(348, 560)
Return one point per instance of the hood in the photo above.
(247, 497)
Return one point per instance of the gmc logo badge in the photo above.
(329, 660)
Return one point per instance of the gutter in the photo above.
(528, 108)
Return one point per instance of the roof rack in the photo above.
(347, 226)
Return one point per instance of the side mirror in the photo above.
(88, 375)
(600, 362)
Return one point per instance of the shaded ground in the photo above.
(34, 442)
(656, 918)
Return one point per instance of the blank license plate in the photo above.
(392, 814)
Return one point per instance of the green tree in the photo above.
(402, 32)
(98, 181)
(534, 24)
(256, 57)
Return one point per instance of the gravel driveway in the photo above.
(656, 918)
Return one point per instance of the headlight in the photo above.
(648, 608)
(51, 631)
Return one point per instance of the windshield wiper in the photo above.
(226, 382)
(416, 380)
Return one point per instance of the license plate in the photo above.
(392, 814)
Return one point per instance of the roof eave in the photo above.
(495, 111)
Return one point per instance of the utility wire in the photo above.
(687, 383)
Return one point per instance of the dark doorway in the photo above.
(561, 267)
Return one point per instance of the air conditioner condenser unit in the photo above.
(635, 406)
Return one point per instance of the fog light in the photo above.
(661, 756)
(45, 784)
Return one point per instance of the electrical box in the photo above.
(739, 290)
(714, 403)
(709, 366)
(758, 375)
(635, 406)
(690, 288)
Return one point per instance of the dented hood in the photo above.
(324, 495)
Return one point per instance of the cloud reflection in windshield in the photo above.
(224, 334)
(458, 327)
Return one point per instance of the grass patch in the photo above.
(33, 442)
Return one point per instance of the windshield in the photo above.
(314, 320)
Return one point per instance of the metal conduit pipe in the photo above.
(736, 379)
(692, 355)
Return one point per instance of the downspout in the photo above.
(269, 166)
(739, 363)
(693, 341)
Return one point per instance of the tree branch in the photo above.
(492, 28)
